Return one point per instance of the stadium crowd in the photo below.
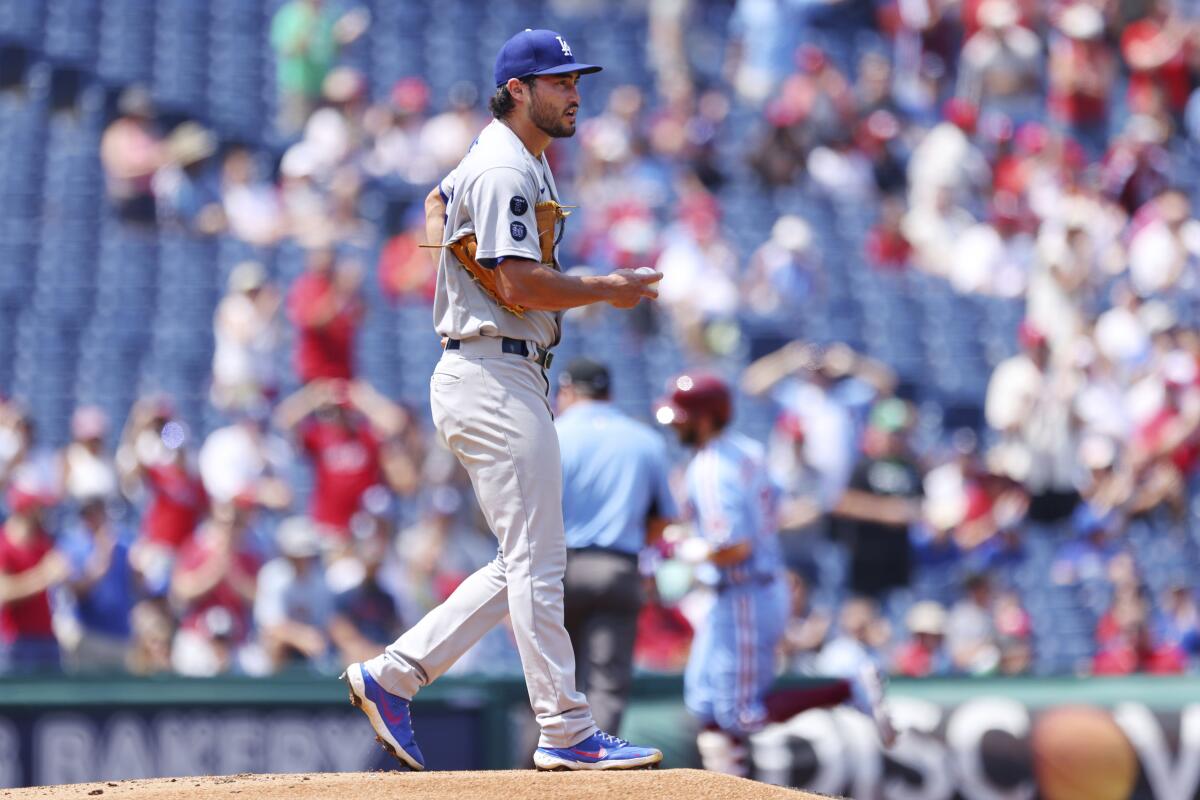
(1029, 151)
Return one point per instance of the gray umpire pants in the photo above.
(492, 411)
(603, 598)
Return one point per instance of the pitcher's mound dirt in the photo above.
(512, 785)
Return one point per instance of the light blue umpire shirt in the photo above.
(614, 477)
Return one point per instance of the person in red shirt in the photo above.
(29, 567)
(406, 273)
(1164, 453)
(886, 246)
(1125, 644)
(325, 307)
(345, 428)
(1157, 52)
(214, 582)
(1082, 72)
(153, 457)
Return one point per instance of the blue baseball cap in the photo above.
(539, 52)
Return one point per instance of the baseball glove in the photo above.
(547, 213)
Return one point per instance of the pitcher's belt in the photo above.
(491, 345)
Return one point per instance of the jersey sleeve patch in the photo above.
(517, 230)
(518, 205)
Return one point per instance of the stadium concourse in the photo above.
(949, 257)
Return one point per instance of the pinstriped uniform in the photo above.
(731, 500)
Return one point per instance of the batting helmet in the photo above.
(695, 395)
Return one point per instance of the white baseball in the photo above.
(648, 271)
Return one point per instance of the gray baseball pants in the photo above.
(492, 411)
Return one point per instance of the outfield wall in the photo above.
(1059, 739)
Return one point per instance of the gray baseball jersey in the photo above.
(492, 193)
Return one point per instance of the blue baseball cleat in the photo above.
(389, 716)
(598, 751)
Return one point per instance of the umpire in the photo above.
(616, 500)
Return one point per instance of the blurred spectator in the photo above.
(325, 307)
(242, 462)
(247, 335)
(924, 655)
(349, 431)
(252, 206)
(933, 229)
(104, 588)
(333, 133)
(881, 501)
(841, 171)
(814, 107)
(993, 257)
(860, 639)
(1157, 53)
(306, 36)
(1001, 554)
(406, 273)
(934, 549)
(131, 151)
(971, 635)
(886, 245)
(1068, 255)
(393, 130)
(23, 460)
(305, 200)
(1178, 621)
(88, 471)
(153, 458)
(293, 604)
(1137, 166)
(1013, 622)
(1162, 243)
(213, 586)
(153, 630)
(820, 392)
(1126, 643)
(783, 273)
(1000, 68)
(1016, 655)
(30, 567)
(365, 619)
(664, 636)
(445, 137)
(1029, 404)
(1087, 556)
(698, 255)
(1081, 74)
(186, 187)
(947, 168)
(806, 628)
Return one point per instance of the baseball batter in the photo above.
(498, 307)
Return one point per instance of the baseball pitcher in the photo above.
(500, 294)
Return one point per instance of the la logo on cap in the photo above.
(566, 47)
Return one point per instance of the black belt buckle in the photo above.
(519, 347)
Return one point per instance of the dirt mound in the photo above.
(514, 785)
